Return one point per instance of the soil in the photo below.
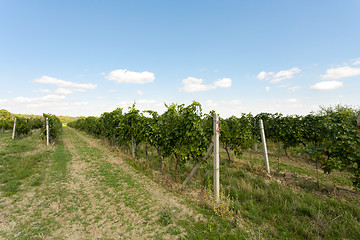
(81, 206)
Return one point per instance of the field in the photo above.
(83, 188)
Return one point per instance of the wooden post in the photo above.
(14, 129)
(262, 132)
(216, 158)
(358, 120)
(47, 132)
(195, 168)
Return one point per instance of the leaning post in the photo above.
(263, 139)
(14, 129)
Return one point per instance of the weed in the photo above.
(165, 216)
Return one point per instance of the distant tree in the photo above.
(4, 114)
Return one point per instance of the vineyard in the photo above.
(22, 126)
(83, 187)
(182, 134)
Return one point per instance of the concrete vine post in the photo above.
(14, 129)
(216, 158)
(263, 139)
(47, 132)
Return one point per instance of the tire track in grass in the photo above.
(31, 217)
(90, 193)
(119, 206)
(138, 192)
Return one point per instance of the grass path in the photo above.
(90, 193)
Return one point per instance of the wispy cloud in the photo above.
(293, 89)
(356, 61)
(44, 90)
(223, 83)
(341, 72)
(47, 98)
(235, 102)
(327, 85)
(192, 84)
(125, 76)
(66, 87)
(139, 92)
(291, 100)
(63, 91)
(279, 76)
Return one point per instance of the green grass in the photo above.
(5, 135)
(60, 157)
(25, 164)
(258, 207)
(268, 209)
(19, 161)
(55, 171)
(285, 213)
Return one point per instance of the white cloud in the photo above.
(223, 83)
(125, 76)
(211, 104)
(112, 90)
(46, 104)
(47, 98)
(80, 87)
(341, 72)
(279, 76)
(139, 92)
(267, 88)
(63, 91)
(145, 101)
(50, 101)
(356, 61)
(235, 102)
(327, 85)
(293, 89)
(264, 75)
(2, 101)
(192, 84)
(291, 100)
(44, 90)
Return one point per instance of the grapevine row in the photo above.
(25, 125)
(182, 133)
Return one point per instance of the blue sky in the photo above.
(87, 57)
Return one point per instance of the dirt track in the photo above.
(97, 196)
